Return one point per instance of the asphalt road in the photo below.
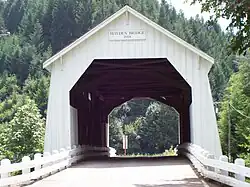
(126, 173)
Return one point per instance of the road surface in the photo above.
(126, 173)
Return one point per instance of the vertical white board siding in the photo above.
(61, 128)
(74, 126)
(157, 43)
(51, 135)
(202, 109)
(195, 114)
(179, 59)
(170, 52)
(150, 42)
(192, 121)
(51, 102)
(211, 119)
(190, 65)
(57, 133)
(99, 46)
(66, 136)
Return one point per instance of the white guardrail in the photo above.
(232, 174)
(45, 164)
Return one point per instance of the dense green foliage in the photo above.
(23, 135)
(238, 12)
(151, 127)
(42, 28)
(235, 110)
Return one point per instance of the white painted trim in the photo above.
(46, 164)
(112, 18)
(171, 35)
(84, 37)
(213, 168)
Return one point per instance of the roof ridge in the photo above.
(126, 8)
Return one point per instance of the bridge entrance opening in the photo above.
(107, 83)
(151, 128)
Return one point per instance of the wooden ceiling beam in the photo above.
(127, 70)
(117, 79)
(131, 62)
(137, 94)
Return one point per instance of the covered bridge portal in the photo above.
(109, 83)
(124, 57)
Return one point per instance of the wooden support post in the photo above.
(184, 123)
(107, 134)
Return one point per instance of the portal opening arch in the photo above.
(151, 127)
(107, 83)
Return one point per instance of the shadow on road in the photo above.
(122, 162)
(194, 182)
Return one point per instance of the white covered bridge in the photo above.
(127, 56)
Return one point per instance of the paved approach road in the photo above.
(174, 172)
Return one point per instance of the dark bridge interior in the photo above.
(108, 83)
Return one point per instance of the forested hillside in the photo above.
(39, 29)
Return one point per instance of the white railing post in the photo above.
(210, 156)
(63, 151)
(240, 162)
(26, 160)
(64, 157)
(68, 150)
(55, 153)
(5, 162)
(38, 158)
(205, 154)
(224, 158)
(45, 157)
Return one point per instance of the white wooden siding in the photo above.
(193, 68)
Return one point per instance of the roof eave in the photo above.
(139, 16)
(84, 37)
(171, 35)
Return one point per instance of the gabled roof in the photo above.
(113, 17)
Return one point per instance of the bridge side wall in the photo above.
(157, 45)
(59, 113)
(204, 129)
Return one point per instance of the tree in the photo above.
(9, 106)
(159, 130)
(24, 134)
(77, 21)
(38, 31)
(8, 86)
(115, 131)
(15, 58)
(13, 14)
(238, 12)
(37, 89)
(2, 26)
(235, 113)
(131, 130)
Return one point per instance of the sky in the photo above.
(192, 11)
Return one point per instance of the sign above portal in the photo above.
(127, 35)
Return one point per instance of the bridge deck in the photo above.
(173, 172)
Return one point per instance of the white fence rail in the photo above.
(232, 174)
(45, 164)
